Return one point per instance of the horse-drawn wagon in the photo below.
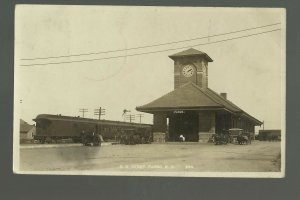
(238, 136)
(133, 136)
(221, 139)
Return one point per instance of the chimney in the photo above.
(224, 95)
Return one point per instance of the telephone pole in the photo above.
(140, 116)
(130, 117)
(83, 110)
(99, 112)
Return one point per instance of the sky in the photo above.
(251, 70)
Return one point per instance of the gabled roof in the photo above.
(192, 96)
(186, 96)
(191, 52)
(24, 126)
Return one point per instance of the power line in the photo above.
(130, 117)
(99, 112)
(83, 110)
(147, 46)
(140, 116)
(150, 52)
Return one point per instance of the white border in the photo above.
(281, 174)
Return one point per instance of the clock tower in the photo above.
(191, 66)
(192, 109)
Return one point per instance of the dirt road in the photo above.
(195, 157)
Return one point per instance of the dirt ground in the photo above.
(191, 157)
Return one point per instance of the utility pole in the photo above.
(263, 125)
(130, 117)
(83, 110)
(140, 116)
(99, 112)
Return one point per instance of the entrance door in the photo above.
(184, 124)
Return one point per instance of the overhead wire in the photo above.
(150, 52)
(148, 46)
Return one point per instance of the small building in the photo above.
(269, 135)
(27, 131)
(192, 109)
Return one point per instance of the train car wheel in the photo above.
(42, 140)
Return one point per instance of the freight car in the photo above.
(53, 128)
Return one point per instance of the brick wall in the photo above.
(200, 77)
(207, 121)
(159, 123)
(207, 125)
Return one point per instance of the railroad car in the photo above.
(52, 128)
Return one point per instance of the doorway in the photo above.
(184, 124)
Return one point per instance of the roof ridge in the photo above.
(205, 93)
(228, 101)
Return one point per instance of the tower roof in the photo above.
(190, 52)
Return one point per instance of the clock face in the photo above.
(188, 70)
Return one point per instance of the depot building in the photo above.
(192, 109)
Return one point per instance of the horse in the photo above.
(221, 139)
(243, 139)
